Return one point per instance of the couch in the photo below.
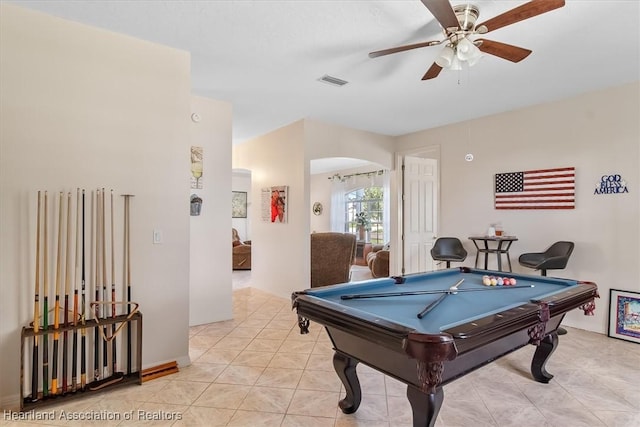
(241, 252)
(378, 260)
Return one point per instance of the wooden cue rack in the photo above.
(131, 375)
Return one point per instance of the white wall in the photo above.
(210, 297)
(597, 133)
(83, 107)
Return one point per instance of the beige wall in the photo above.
(320, 191)
(597, 133)
(328, 140)
(82, 107)
(210, 290)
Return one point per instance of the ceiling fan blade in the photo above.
(502, 50)
(520, 13)
(402, 48)
(432, 72)
(443, 12)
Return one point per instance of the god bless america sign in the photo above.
(611, 184)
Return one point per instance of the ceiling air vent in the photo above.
(333, 80)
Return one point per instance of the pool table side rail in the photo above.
(365, 325)
(408, 278)
(569, 299)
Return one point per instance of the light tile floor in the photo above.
(257, 370)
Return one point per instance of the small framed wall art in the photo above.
(317, 208)
(275, 204)
(238, 204)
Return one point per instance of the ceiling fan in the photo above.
(459, 27)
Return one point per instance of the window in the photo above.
(368, 200)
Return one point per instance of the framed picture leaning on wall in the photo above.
(624, 315)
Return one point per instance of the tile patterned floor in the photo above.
(257, 370)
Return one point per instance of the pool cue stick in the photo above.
(45, 303)
(83, 342)
(67, 289)
(74, 345)
(127, 266)
(56, 309)
(102, 273)
(114, 351)
(440, 291)
(452, 290)
(432, 305)
(103, 253)
(95, 245)
(36, 312)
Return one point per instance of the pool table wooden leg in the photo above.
(542, 354)
(345, 367)
(425, 406)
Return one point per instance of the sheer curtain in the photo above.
(386, 199)
(337, 205)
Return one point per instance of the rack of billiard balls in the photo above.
(498, 281)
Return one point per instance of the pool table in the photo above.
(376, 322)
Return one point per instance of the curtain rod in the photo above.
(342, 177)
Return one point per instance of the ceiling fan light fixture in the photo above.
(466, 50)
(456, 64)
(446, 57)
(461, 27)
(473, 60)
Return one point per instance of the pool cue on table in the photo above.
(452, 290)
(74, 345)
(432, 305)
(36, 312)
(96, 313)
(45, 303)
(67, 289)
(56, 310)
(83, 340)
(440, 291)
(127, 266)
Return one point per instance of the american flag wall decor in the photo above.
(536, 189)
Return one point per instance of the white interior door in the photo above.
(420, 213)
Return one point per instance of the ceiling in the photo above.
(265, 57)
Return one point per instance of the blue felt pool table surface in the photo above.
(455, 309)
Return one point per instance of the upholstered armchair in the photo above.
(332, 255)
(241, 252)
(378, 260)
